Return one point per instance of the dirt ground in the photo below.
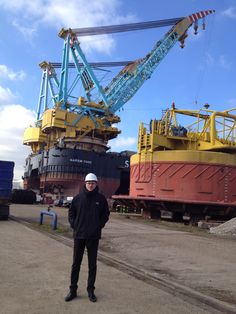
(195, 259)
(179, 253)
(35, 270)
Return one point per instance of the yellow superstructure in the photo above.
(210, 131)
(57, 124)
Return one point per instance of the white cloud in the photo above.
(224, 63)
(9, 74)
(102, 43)
(230, 12)
(209, 59)
(15, 117)
(6, 96)
(71, 13)
(27, 32)
(220, 61)
(13, 120)
(123, 143)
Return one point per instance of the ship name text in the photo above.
(81, 161)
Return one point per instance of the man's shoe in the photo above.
(92, 297)
(70, 296)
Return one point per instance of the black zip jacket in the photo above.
(88, 214)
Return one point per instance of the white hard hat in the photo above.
(91, 177)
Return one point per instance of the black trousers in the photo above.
(92, 249)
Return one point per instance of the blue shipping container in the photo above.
(6, 177)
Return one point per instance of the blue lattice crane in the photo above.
(126, 84)
(65, 114)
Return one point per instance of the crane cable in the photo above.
(99, 30)
(203, 64)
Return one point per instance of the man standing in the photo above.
(87, 216)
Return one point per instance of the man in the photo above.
(87, 216)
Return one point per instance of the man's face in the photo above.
(90, 185)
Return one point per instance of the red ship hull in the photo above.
(71, 184)
(191, 187)
(193, 182)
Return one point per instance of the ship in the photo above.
(72, 130)
(60, 171)
(188, 171)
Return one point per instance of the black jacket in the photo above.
(88, 214)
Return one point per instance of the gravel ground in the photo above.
(198, 260)
(187, 255)
(35, 270)
(227, 228)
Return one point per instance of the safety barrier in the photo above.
(49, 213)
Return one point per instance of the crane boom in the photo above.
(94, 65)
(131, 78)
(49, 82)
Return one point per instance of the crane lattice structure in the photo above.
(63, 114)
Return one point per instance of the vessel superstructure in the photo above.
(188, 170)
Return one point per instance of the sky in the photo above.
(202, 72)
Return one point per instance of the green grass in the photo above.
(46, 227)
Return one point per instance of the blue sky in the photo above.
(202, 72)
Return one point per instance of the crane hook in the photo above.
(182, 43)
(195, 27)
(182, 39)
(203, 24)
